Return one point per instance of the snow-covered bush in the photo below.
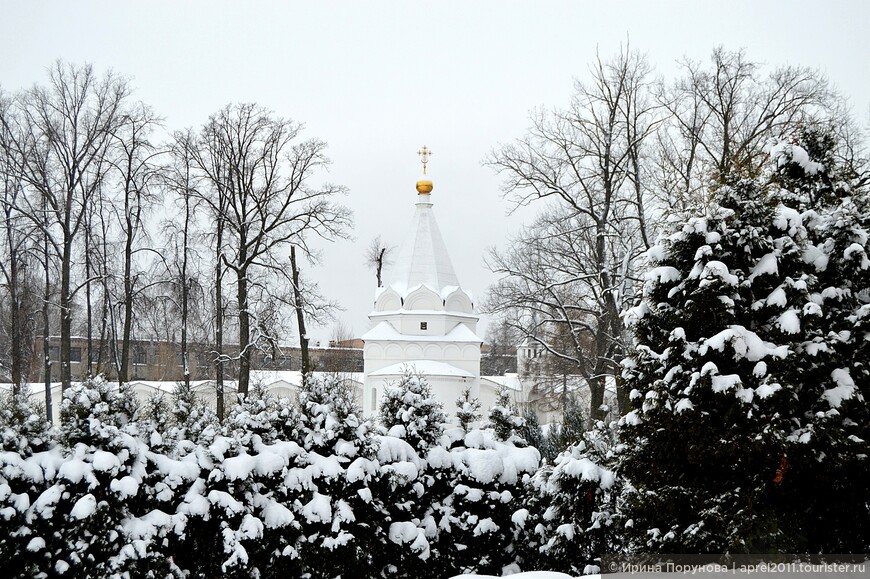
(408, 411)
(476, 487)
(569, 509)
(340, 517)
(504, 418)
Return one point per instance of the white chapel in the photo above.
(423, 319)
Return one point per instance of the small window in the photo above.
(140, 356)
(54, 353)
(75, 354)
(424, 325)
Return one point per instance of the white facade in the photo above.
(424, 320)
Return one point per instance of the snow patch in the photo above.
(844, 389)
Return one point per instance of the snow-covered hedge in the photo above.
(280, 489)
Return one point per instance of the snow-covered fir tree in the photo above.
(467, 409)
(569, 517)
(26, 443)
(744, 378)
(571, 429)
(830, 413)
(504, 418)
(477, 479)
(240, 510)
(97, 486)
(155, 419)
(192, 418)
(339, 514)
(408, 411)
(414, 422)
(533, 434)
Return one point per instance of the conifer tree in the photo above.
(409, 412)
(467, 409)
(531, 432)
(192, 419)
(99, 482)
(568, 517)
(706, 436)
(749, 391)
(572, 428)
(23, 434)
(154, 423)
(831, 410)
(338, 512)
(504, 418)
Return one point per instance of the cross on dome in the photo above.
(424, 155)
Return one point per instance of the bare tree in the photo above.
(13, 256)
(309, 305)
(135, 171)
(62, 139)
(574, 266)
(722, 115)
(500, 356)
(180, 180)
(260, 181)
(378, 256)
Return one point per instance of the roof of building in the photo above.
(386, 332)
(424, 368)
(423, 257)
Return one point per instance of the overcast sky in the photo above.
(377, 80)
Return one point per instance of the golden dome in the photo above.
(424, 186)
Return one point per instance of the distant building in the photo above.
(155, 360)
(424, 320)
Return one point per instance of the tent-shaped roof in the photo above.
(422, 257)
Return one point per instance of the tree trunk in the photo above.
(90, 335)
(244, 329)
(106, 313)
(219, 323)
(15, 318)
(596, 398)
(185, 294)
(380, 265)
(124, 373)
(300, 316)
(46, 326)
(65, 313)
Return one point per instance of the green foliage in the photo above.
(532, 434)
(569, 514)
(747, 430)
(342, 514)
(409, 412)
(23, 428)
(192, 418)
(467, 409)
(570, 431)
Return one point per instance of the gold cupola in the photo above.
(424, 186)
